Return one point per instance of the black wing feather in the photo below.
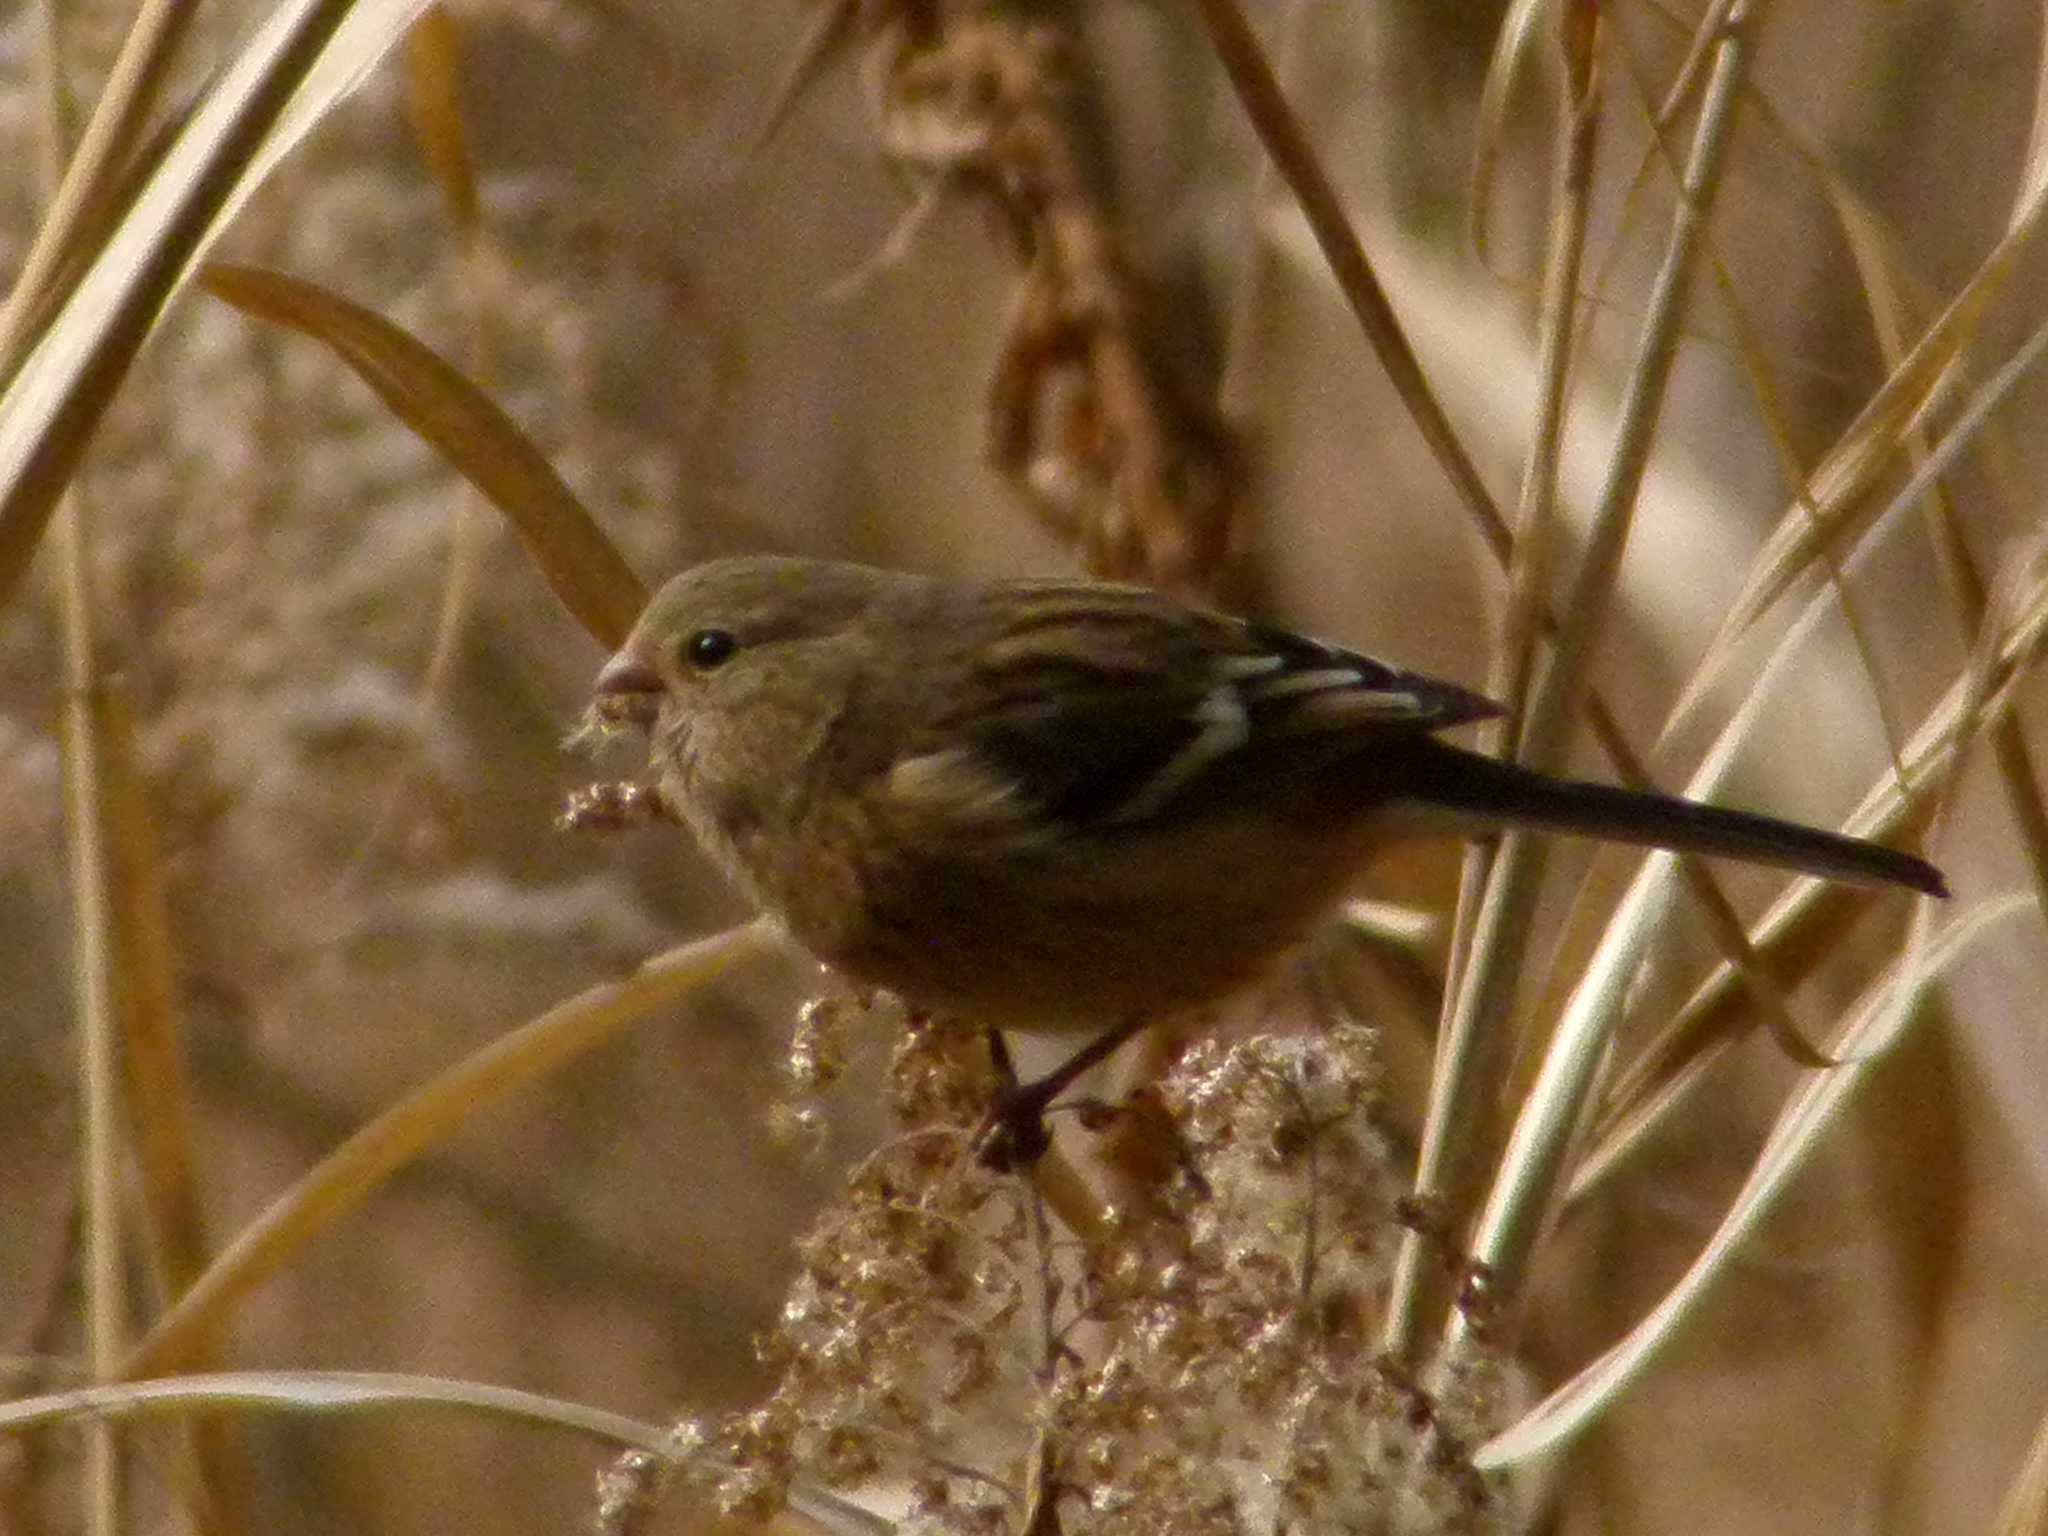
(1079, 747)
(1112, 705)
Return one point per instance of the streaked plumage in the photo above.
(1058, 804)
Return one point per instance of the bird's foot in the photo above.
(611, 806)
(1013, 1134)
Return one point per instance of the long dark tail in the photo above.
(1506, 795)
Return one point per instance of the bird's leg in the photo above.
(611, 806)
(1014, 1135)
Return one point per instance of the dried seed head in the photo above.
(1207, 1369)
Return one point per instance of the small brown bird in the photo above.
(1065, 805)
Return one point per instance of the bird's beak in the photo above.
(628, 691)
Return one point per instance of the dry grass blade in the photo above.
(1532, 1167)
(2017, 772)
(1537, 511)
(1663, 154)
(94, 957)
(1593, 585)
(2007, 611)
(1460, 1057)
(1523, 622)
(1810, 919)
(1528, 1179)
(54, 403)
(321, 1392)
(2024, 1510)
(1806, 922)
(1838, 489)
(328, 1393)
(433, 98)
(153, 1058)
(352, 1171)
(571, 552)
(1775, 421)
(1802, 931)
(1494, 915)
(433, 104)
(1896, 304)
(1554, 1110)
(1885, 1011)
(2004, 649)
(1892, 307)
(1814, 914)
(1759, 981)
(303, 57)
(158, 1092)
(127, 993)
(80, 203)
(1281, 132)
(1824, 511)
(1514, 43)
(830, 32)
(2024, 799)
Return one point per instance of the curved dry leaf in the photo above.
(1896, 303)
(1887, 1009)
(572, 553)
(340, 1392)
(1807, 921)
(347, 1176)
(1553, 1111)
(319, 1392)
(2002, 651)
(1823, 516)
(1801, 930)
(1839, 486)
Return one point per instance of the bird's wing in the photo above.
(1091, 706)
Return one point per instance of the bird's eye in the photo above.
(708, 648)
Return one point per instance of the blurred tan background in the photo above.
(362, 894)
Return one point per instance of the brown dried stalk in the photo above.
(1082, 415)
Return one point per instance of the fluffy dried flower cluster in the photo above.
(1211, 1369)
